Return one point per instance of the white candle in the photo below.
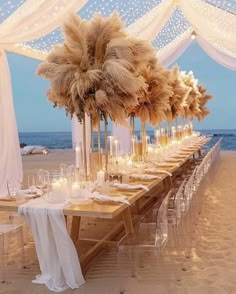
(173, 132)
(157, 136)
(63, 182)
(56, 195)
(56, 187)
(116, 147)
(150, 149)
(100, 177)
(77, 156)
(75, 190)
(110, 144)
(129, 163)
(133, 145)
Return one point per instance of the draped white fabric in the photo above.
(10, 158)
(148, 26)
(32, 19)
(175, 49)
(36, 18)
(215, 25)
(220, 57)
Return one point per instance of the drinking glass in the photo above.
(42, 179)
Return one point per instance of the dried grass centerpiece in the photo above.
(177, 101)
(203, 99)
(97, 70)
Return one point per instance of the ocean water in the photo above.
(63, 140)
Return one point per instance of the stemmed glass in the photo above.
(42, 179)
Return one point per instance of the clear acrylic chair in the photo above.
(8, 246)
(146, 243)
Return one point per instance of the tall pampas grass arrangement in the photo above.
(96, 69)
(155, 101)
(178, 101)
(204, 98)
(191, 108)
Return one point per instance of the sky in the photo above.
(35, 114)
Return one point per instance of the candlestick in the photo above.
(157, 136)
(133, 145)
(110, 144)
(173, 132)
(116, 147)
(77, 156)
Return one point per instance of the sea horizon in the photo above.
(63, 139)
(149, 130)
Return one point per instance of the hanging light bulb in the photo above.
(193, 35)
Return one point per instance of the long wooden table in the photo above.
(111, 211)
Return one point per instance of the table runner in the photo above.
(58, 259)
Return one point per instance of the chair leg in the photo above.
(2, 260)
(20, 239)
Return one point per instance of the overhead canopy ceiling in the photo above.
(130, 12)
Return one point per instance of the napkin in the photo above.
(101, 197)
(144, 176)
(157, 170)
(164, 164)
(129, 187)
(31, 191)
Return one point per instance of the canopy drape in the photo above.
(31, 20)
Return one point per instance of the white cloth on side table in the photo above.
(58, 259)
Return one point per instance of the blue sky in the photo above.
(34, 113)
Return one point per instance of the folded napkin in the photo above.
(101, 197)
(31, 191)
(157, 170)
(129, 187)
(58, 259)
(144, 176)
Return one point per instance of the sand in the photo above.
(211, 268)
(51, 161)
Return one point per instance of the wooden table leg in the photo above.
(128, 221)
(75, 226)
(167, 183)
(200, 152)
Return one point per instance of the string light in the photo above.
(193, 35)
(175, 26)
(130, 11)
(8, 7)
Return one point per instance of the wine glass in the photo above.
(42, 179)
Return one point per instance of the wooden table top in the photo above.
(109, 211)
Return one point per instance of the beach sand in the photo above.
(51, 161)
(211, 268)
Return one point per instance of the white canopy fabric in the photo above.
(26, 23)
(30, 28)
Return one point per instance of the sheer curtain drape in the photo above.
(150, 24)
(10, 158)
(28, 22)
(215, 25)
(175, 49)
